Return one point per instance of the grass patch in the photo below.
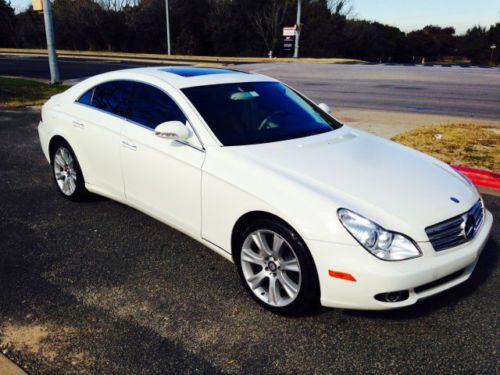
(20, 92)
(472, 145)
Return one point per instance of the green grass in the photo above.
(21, 92)
(472, 145)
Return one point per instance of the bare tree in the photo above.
(267, 21)
(117, 5)
(342, 7)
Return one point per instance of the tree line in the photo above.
(238, 28)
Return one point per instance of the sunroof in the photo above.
(188, 71)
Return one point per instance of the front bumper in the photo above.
(374, 276)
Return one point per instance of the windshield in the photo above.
(258, 112)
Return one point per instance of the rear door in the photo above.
(99, 119)
(161, 176)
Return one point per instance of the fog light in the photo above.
(392, 297)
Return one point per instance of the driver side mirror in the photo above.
(174, 130)
(325, 107)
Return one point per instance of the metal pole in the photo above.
(297, 31)
(51, 42)
(168, 28)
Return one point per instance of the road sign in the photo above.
(289, 35)
(289, 31)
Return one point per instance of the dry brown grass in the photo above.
(333, 60)
(472, 145)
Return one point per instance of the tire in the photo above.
(67, 173)
(281, 277)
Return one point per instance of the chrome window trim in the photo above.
(202, 148)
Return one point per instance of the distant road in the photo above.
(455, 91)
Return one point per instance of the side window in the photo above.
(152, 107)
(87, 97)
(113, 97)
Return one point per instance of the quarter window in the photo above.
(152, 107)
(87, 97)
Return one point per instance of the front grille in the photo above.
(457, 230)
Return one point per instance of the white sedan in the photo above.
(310, 210)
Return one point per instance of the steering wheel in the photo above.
(269, 117)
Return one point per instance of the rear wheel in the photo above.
(67, 173)
(276, 268)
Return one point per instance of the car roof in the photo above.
(191, 76)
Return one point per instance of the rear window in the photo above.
(113, 97)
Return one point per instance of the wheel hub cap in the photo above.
(272, 266)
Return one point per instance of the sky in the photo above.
(413, 14)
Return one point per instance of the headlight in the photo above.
(382, 243)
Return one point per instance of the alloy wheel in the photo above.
(65, 171)
(271, 268)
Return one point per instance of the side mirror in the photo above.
(325, 107)
(174, 130)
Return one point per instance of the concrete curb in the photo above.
(480, 177)
(7, 367)
(151, 57)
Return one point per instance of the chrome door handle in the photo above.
(129, 145)
(77, 124)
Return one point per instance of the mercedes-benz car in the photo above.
(310, 210)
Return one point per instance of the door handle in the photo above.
(129, 145)
(77, 124)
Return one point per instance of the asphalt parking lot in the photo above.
(100, 288)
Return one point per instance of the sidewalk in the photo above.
(7, 367)
(389, 123)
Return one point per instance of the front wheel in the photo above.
(67, 173)
(276, 268)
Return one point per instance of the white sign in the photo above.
(289, 31)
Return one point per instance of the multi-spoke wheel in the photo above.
(270, 267)
(276, 267)
(67, 172)
(64, 171)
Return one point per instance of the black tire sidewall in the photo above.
(308, 297)
(80, 191)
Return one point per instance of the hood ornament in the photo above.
(456, 200)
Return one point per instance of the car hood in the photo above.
(399, 188)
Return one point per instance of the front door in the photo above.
(161, 176)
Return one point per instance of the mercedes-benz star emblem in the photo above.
(467, 226)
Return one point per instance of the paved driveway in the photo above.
(101, 288)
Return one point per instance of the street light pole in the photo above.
(493, 47)
(297, 30)
(51, 43)
(168, 27)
